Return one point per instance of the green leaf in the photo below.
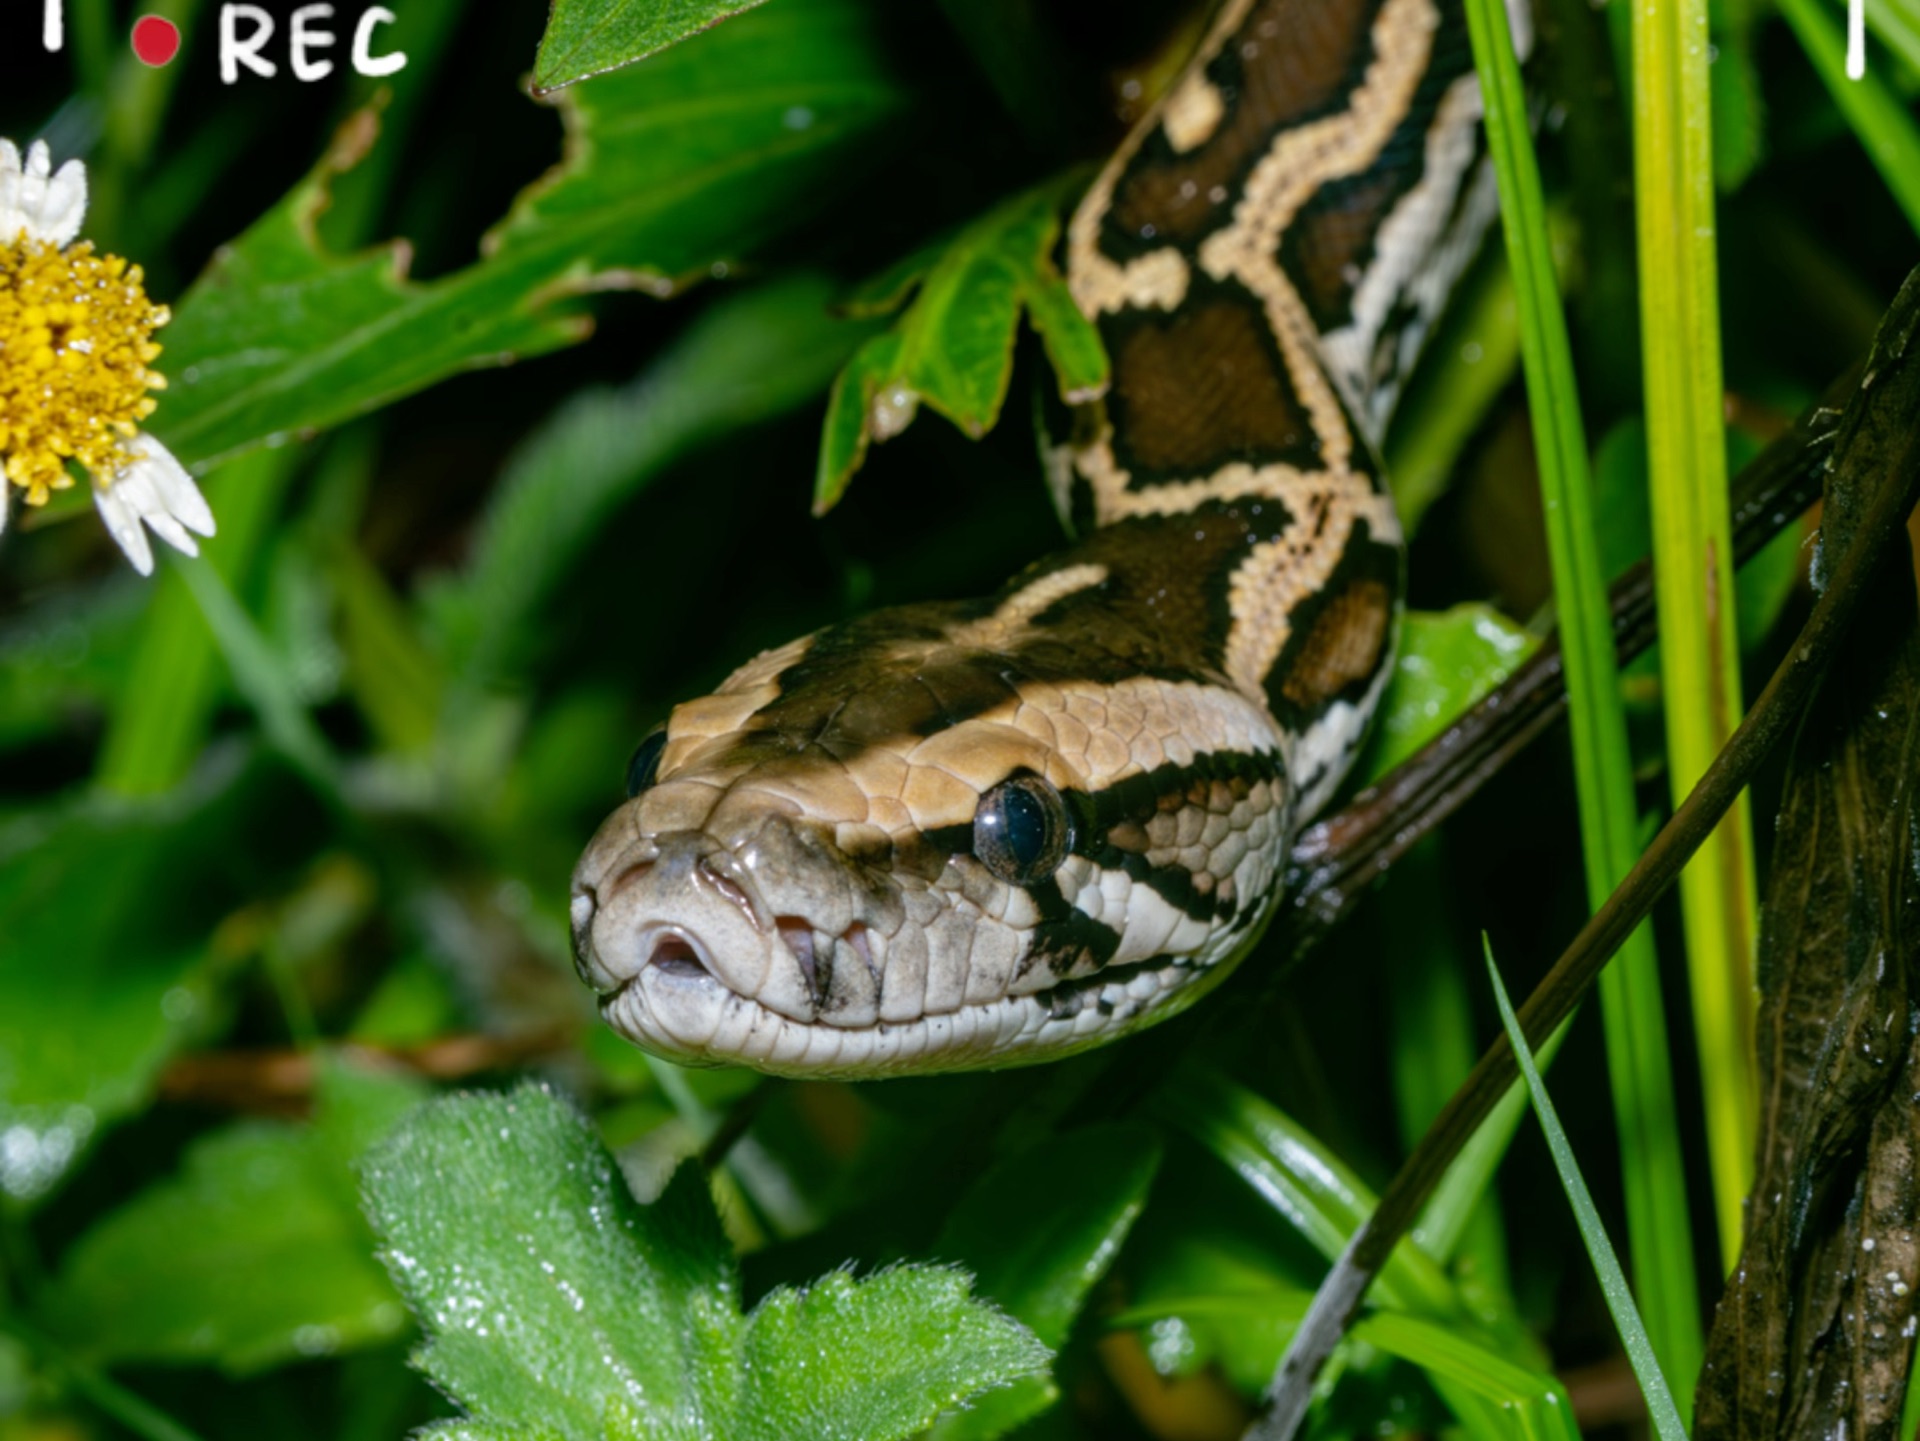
(1492, 1396)
(708, 151)
(1739, 108)
(1040, 1263)
(106, 969)
(748, 358)
(953, 348)
(253, 1254)
(1303, 1181)
(876, 1359)
(1613, 1281)
(591, 37)
(1487, 1391)
(672, 169)
(1447, 661)
(557, 1305)
(280, 338)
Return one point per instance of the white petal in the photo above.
(48, 206)
(12, 218)
(178, 493)
(64, 209)
(124, 527)
(143, 498)
(6, 502)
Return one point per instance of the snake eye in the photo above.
(1021, 831)
(645, 765)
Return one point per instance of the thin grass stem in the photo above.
(1653, 1168)
(1693, 561)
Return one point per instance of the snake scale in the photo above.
(984, 833)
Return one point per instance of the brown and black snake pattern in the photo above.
(993, 831)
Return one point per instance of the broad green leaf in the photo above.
(704, 153)
(1491, 1395)
(556, 1305)
(953, 347)
(750, 357)
(1040, 1263)
(107, 966)
(672, 169)
(1299, 1178)
(1448, 660)
(254, 1253)
(280, 338)
(64, 654)
(590, 37)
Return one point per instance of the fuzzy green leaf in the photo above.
(556, 1305)
(591, 37)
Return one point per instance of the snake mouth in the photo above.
(680, 1009)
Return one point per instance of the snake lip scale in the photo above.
(994, 831)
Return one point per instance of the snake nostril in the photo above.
(709, 874)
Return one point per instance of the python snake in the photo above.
(984, 833)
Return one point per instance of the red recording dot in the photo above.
(155, 41)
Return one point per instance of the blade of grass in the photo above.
(1653, 1170)
(260, 675)
(1661, 1410)
(1693, 560)
(1883, 124)
(1457, 1199)
(1896, 24)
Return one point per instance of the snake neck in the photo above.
(1263, 258)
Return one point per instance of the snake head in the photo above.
(903, 844)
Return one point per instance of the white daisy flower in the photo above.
(76, 345)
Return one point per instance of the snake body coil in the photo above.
(995, 831)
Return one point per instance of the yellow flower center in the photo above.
(76, 337)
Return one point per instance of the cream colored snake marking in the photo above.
(996, 831)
